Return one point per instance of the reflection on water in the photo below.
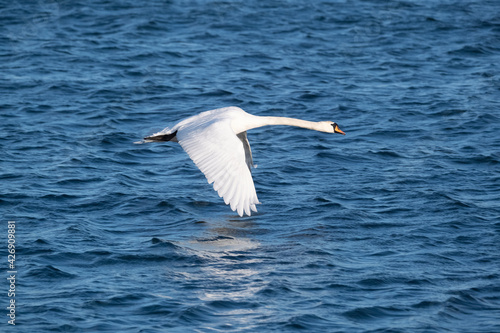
(227, 277)
(231, 275)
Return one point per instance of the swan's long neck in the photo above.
(292, 122)
(257, 121)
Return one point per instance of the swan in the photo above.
(216, 141)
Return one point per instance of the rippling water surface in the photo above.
(393, 228)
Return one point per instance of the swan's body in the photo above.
(216, 141)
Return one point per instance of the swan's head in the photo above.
(334, 128)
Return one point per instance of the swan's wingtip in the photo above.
(142, 141)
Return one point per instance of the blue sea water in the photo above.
(393, 228)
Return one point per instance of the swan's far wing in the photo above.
(220, 155)
(248, 151)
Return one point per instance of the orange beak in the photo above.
(338, 130)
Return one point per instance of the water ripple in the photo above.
(392, 228)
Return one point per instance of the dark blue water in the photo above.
(393, 228)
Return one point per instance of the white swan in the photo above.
(216, 141)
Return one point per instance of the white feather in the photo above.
(220, 155)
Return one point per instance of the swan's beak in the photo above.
(336, 129)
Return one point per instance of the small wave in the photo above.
(79, 181)
(152, 258)
(472, 50)
(128, 299)
(195, 314)
(375, 313)
(160, 308)
(161, 243)
(232, 304)
(49, 272)
(308, 322)
(386, 153)
(329, 206)
(217, 93)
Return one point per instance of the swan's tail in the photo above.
(158, 137)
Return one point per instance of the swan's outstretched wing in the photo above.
(220, 155)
